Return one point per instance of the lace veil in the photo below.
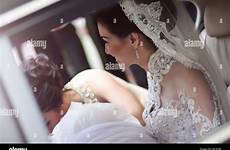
(175, 35)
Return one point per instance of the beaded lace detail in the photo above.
(179, 120)
(87, 94)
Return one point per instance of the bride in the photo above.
(186, 96)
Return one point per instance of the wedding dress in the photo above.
(178, 121)
(99, 122)
(181, 120)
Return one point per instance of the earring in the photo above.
(137, 54)
(136, 50)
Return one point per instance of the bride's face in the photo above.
(120, 48)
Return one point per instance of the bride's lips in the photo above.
(106, 51)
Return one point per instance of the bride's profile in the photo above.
(186, 95)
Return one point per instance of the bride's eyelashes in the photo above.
(104, 41)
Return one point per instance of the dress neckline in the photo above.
(159, 65)
(153, 55)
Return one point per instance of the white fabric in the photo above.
(115, 132)
(80, 117)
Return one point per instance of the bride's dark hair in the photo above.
(45, 80)
(123, 26)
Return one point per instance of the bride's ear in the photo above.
(134, 39)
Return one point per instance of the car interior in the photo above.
(66, 31)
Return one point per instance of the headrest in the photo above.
(217, 18)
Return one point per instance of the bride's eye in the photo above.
(104, 41)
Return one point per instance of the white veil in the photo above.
(146, 14)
